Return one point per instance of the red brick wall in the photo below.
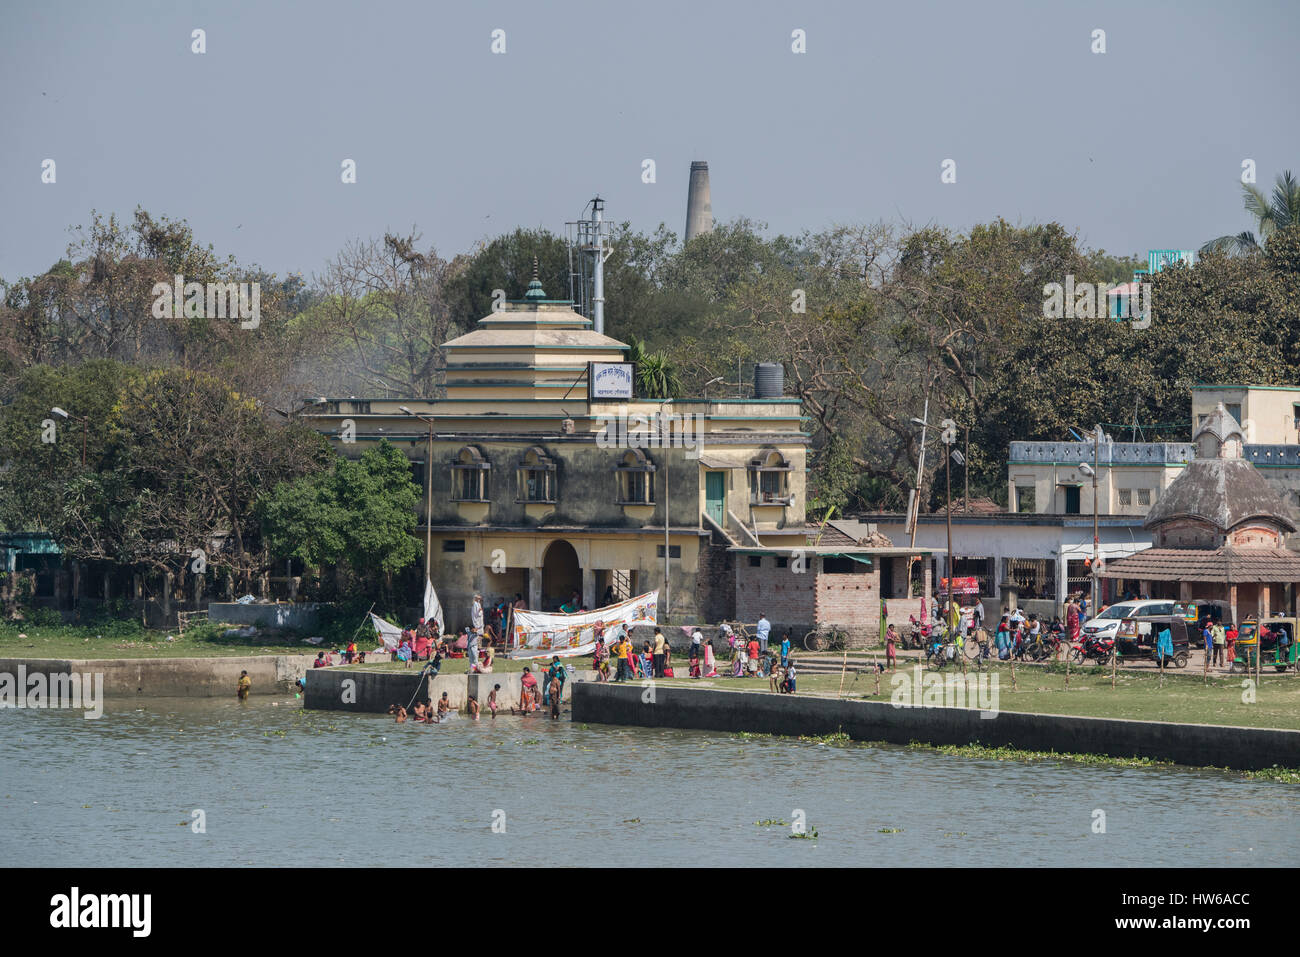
(786, 597)
(798, 602)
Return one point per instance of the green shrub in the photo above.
(44, 618)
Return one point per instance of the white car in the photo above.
(1106, 624)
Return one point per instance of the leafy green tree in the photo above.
(174, 461)
(361, 513)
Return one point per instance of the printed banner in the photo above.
(537, 634)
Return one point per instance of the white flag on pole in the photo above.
(388, 633)
(432, 608)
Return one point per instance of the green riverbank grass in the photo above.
(984, 752)
(127, 639)
(1138, 695)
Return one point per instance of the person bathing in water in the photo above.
(398, 712)
(556, 690)
(242, 689)
(492, 700)
(444, 708)
(472, 707)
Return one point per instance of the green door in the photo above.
(1072, 500)
(715, 496)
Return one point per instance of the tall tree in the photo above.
(1270, 213)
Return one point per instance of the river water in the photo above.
(280, 786)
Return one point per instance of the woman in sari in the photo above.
(738, 660)
(710, 668)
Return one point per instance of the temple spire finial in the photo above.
(535, 291)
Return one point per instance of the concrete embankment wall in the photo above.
(174, 677)
(763, 713)
(298, 615)
(373, 692)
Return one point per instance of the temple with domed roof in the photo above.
(1218, 531)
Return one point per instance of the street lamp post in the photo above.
(914, 506)
(667, 585)
(949, 437)
(85, 425)
(428, 503)
(1096, 540)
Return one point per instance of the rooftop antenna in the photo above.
(589, 239)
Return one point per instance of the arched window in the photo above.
(769, 479)
(469, 476)
(635, 476)
(537, 476)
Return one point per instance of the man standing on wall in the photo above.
(658, 654)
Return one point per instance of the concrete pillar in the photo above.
(589, 587)
(1232, 601)
(535, 589)
(1265, 593)
(1062, 583)
(168, 584)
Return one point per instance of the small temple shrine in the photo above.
(1218, 532)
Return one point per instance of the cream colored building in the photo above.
(541, 490)
(1045, 478)
(1269, 415)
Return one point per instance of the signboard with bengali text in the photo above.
(609, 380)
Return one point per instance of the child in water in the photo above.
(472, 707)
(492, 700)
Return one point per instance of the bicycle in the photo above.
(825, 639)
(941, 652)
(975, 649)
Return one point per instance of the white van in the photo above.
(1106, 624)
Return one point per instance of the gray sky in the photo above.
(1137, 148)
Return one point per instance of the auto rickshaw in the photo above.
(1197, 613)
(1275, 643)
(1136, 638)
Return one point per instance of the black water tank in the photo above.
(769, 380)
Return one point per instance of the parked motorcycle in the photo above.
(1093, 648)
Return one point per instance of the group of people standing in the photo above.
(653, 661)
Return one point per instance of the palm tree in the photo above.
(1282, 210)
(656, 377)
